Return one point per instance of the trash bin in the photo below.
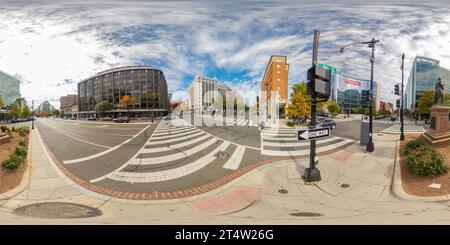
(364, 136)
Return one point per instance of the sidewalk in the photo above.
(355, 189)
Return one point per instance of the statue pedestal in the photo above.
(439, 132)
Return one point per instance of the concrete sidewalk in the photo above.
(355, 189)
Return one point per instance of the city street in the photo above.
(168, 155)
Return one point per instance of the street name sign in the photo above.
(312, 134)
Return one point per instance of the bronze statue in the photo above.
(439, 94)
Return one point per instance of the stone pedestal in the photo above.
(439, 132)
(4, 138)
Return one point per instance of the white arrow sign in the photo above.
(313, 133)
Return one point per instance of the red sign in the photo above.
(353, 82)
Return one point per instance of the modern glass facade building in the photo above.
(352, 92)
(9, 88)
(145, 86)
(423, 76)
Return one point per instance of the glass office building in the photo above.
(145, 86)
(9, 88)
(423, 76)
(352, 92)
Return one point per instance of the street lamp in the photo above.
(402, 135)
(369, 147)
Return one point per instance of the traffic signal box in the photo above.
(397, 89)
(319, 82)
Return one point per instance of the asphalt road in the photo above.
(351, 129)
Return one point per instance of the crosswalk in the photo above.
(241, 122)
(283, 142)
(395, 129)
(385, 121)
(177, 149)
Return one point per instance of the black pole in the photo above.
(370, 146)
(312, 173)
(32, 114)
(402, 135)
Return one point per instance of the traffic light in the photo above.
(397, 89)
(319, 82)
(398, 103)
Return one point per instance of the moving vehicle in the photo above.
(123, 119)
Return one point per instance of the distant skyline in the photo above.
(51, 46)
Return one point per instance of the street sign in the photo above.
(312, 134)
(327, 67)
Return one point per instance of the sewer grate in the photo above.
(283, 191)
(306, 214)
(57, 210)
(222, 154)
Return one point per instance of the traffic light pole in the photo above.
(312, 173)
(370, 146)
(402, 135)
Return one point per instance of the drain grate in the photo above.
(57, 210)
(306, 214)
(283, 191)
(222, 154)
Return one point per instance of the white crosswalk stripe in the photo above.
(281, 141)
(179, 143)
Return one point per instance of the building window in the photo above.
(278, 66)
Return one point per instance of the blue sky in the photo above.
(51, 45)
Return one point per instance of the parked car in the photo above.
(73, 118)
(322, 114)
(393, 118)
(92, 118)
(124, 119)
(327, 123)
(169, 117)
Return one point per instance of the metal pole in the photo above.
(312, 173)
(402, 135)
(370, 147)
(32, 114)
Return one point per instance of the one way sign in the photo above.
(312, 134)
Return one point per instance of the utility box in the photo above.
(364, 137)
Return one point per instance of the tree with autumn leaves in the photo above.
(300, 106)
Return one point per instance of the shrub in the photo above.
(23, 131)
(423, 160)
(414, 144)
(290, 124)
(22, 143)
(5, 129)
(21, 151)
(14, 162)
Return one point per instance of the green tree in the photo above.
(103, 106)
(56, 112)
(333, 108)
(426, 101)
(15, 111)
(26, 112)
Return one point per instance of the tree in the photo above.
(103, 106)
(126, 100)
(426, 101)
(2, 104)
(333, 108)
(26, 112)
(56, 112)
(15, 111)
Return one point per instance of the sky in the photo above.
(52, 45)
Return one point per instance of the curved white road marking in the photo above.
(104, 152)
(61, 131)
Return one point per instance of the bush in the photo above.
(22, 143)
(21, 151)
(23, 131)
(14, 162)
(5, 129)
(291, 124)
(422, 159)
(414, 144)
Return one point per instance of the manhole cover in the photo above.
(345, 186)
(306, 214)
(283, 191)
(57, 210)
(222, 154)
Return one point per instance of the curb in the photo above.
(25, 178)
(102, 122)
(397, 187)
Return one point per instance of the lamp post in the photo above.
(371, 44)
(402, 135)
(32, 114)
